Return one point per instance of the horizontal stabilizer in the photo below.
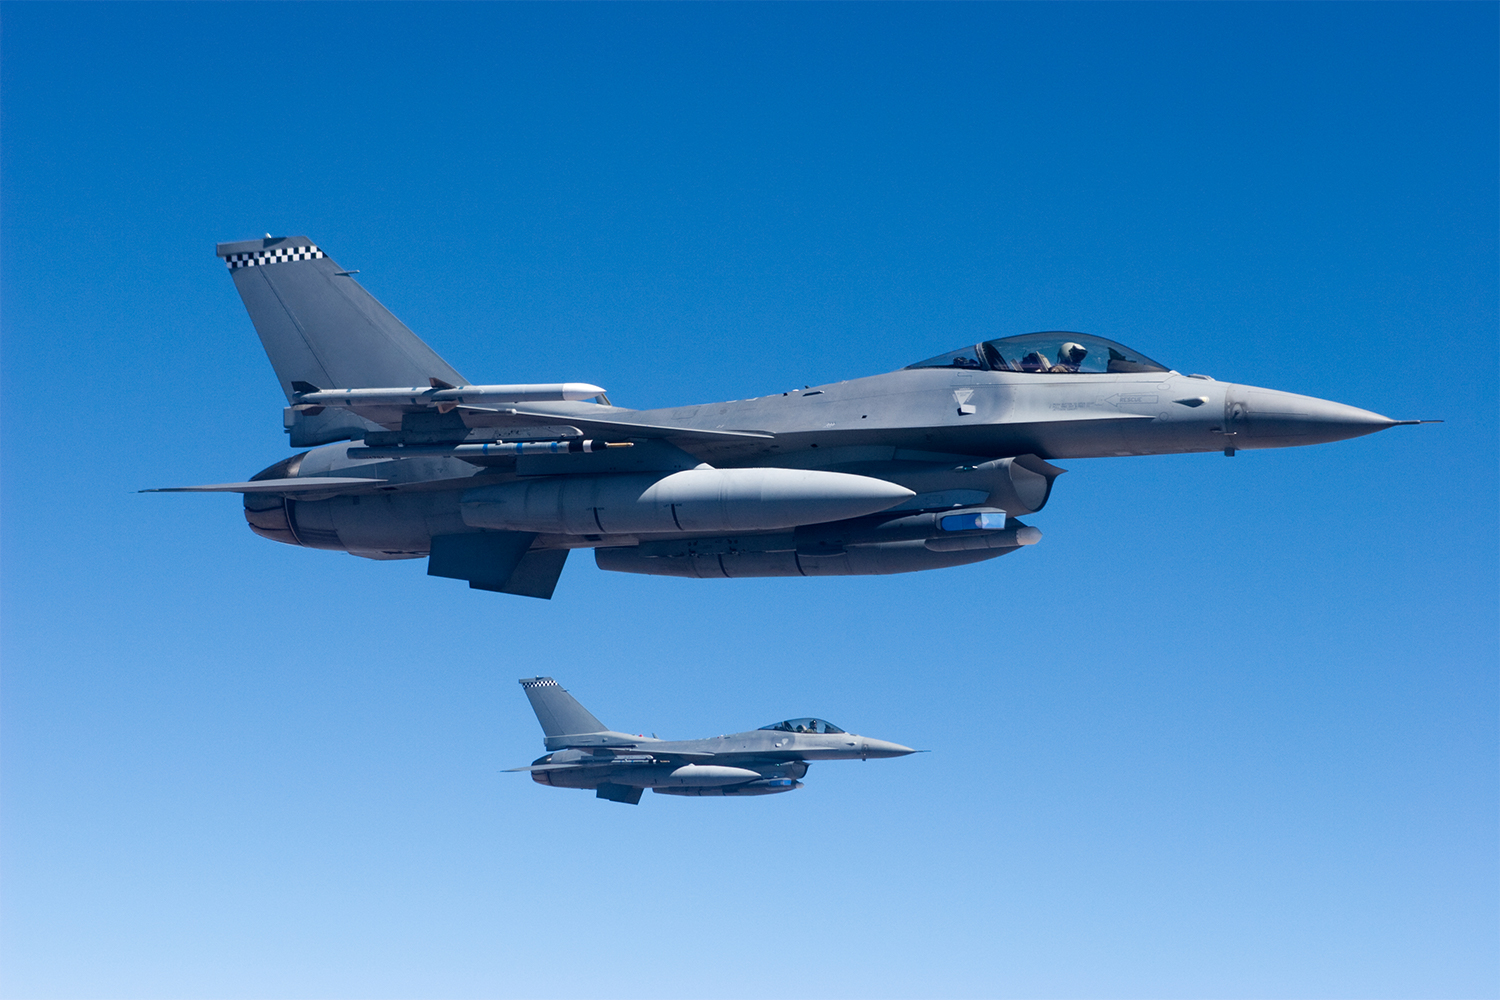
(307, 484)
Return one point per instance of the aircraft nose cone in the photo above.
(882, 748)
(1267, 418)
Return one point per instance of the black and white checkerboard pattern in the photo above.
(278, 256)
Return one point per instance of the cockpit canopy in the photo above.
(1057, 353)
(805, 726)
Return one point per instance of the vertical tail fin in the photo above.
(319, 326)
(557, 711)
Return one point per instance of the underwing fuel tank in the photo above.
(869, 546)
(694, 501)
(768, 786)
(688, 776)
(883, 559)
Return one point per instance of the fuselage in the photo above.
(992, 414)
(759, 762)
(929, 430)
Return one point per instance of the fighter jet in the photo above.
(922, 468)
(618, 766)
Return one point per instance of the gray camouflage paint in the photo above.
(583, 754)
(915, 441)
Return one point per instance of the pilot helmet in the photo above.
(1071, 353)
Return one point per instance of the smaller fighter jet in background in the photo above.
(582, 753)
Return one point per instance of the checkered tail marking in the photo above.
(282, 255)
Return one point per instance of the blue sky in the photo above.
(1228, 731)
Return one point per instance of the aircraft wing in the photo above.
(634, 757)
(633, 754)
(676, 755)
(508, 417)
(389, 408)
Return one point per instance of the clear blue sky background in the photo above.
(1228, 731)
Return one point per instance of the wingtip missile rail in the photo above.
(443, 396)
(488, 449)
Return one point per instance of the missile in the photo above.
(695, 501)
(948, 531)
(488, 449)
(1009, 539)
(444, 397)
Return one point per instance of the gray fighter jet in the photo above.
(922, 468)
(618, 766)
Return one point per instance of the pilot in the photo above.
(1069, 357)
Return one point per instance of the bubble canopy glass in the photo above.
(1057, 353)
(804, 726)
